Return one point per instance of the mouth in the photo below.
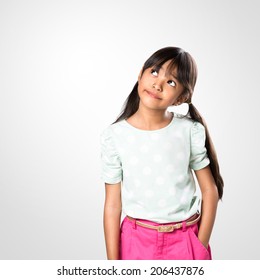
(153, 95)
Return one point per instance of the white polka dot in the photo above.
(137, 183)
(199, 142)
(131, 139)
(170, 168)
(134, 160)
(121, 151)
(151, 214)
(149, 193)
(155, 136)
(180, 178)
(131, 213)
(147, 170)
(177, 134)
(118, 130)
(144, 148)
(168, 146)
(172, 191)
(162, 203)
(139, 204)
(180, 156)
(157, 158)
(159, 180)
(184, 199)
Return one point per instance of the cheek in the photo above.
(139, 88)
(172, 101)
(177, 94)
(171, 94)
(145, 79)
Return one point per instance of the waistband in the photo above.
(168, 227)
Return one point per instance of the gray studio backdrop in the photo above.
(66, 68)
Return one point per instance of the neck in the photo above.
(150, 119)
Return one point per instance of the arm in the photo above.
(112, 215)
(209, 203)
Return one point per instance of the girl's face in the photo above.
(159, 89)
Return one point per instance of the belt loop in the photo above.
(134, 223)
(184, 226)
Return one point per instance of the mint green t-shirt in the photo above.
(155, 167)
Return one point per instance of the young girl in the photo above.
(148, 155)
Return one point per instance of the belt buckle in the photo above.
(166, 228)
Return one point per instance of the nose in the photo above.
(157, 86)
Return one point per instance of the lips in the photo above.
(153, 95)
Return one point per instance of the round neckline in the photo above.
(153, 130)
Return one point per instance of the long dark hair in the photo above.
(187, 76)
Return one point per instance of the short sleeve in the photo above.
(111, 169)
(198, 157)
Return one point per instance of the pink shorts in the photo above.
(140, 243)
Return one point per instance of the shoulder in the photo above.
(188, 124)
(112, 130)
(183, 120)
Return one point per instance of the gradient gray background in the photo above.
(66, 68)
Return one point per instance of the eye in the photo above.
(172, 83)
(154, 72)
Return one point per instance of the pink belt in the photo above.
(168, 228)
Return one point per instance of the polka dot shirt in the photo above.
(155, 167)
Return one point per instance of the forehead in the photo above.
(169, 68)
